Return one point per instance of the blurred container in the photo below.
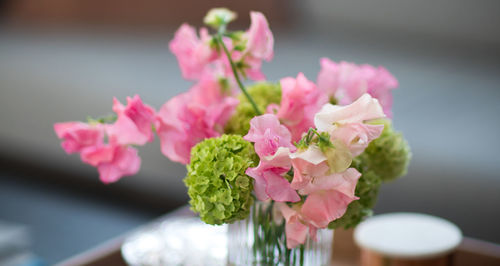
(407, 239)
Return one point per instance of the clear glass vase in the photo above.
(260, 240)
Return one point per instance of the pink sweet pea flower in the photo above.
(363, 109)
(125, 162)
(328, 197)
(113, 161)
(134, 123)
(307, 165)
(273, 145)
(268, 135)
(193, 53)
(345, 123)
(269, 180)
(380, 83)
(260, 38)
(193, 116)
(347, 82)
(296, 227)
(78, 136)
(300, 101)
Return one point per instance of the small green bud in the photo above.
(217, 17)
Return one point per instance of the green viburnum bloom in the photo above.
(219, 189)
(367, 190)
(389, 155)
(263, 94)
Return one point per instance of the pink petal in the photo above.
(278, 188)
(322, 207)
(357, 136)
(344, 182)
(125, 162)
(307, 165)
(260, 38)
(347, 82)
(193, 116)
(259, 184)
(142, 115)
(125, 132)
(300, 100)
(280, 159)
(78, 136)
(328, 78)
(174, 143)
(98, 154)
(269, 181)
(295, 230)
(192, 53)
(134, 123)
(268, 135)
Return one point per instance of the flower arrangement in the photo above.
(315, 152)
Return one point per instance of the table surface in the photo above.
(345, 252)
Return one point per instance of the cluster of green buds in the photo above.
(219, 189)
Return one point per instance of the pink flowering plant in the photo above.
(309, 154)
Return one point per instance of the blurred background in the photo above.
(62, 60)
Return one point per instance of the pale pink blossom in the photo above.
(345, 123)
(307, 165)
(346, 82)
(193, 116)
(357, 136)
(193, 53)
(300, 100)
(78, 136)
(296, 228)
(328, 197)
(260, 38)
(365, 108)
(134, 123)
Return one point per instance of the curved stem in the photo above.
(235, 72)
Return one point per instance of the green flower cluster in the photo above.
(389, 155)
(263, 94)
(367, 190)
(219, 189)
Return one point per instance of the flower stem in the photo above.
(235, 72)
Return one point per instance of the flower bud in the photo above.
(217, 17)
